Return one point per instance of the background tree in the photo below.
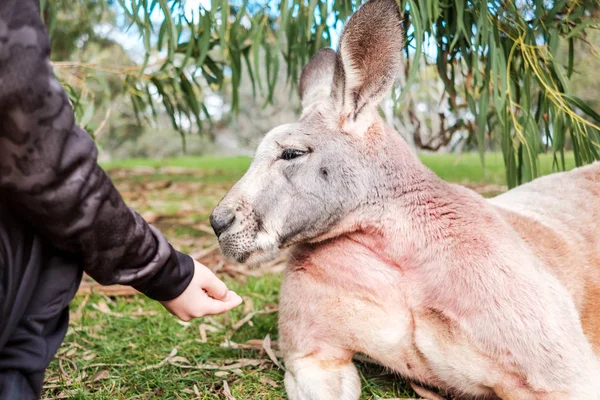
(507, 70)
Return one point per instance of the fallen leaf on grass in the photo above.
(63, 370)
(214, 322)
(76, 316)
(132, 172)
(156, 185)
(115, 290)
(248, 304)
(150, 217)
(178, 359)
(103, 308)
(252, 344)
(221, 374)
(49, 387)
(66, 394)
(51, 379)
(171, 170)
(251, 315)
(185, 324)
(268, 381)
(242, 363)
(203, 337)
(237, 364)
(105, 365)
(104, 374)
(270, 353)
(88, 330)
(156, 394)
(142, 313)
(227, 392)
(163, 362)
(206, 328)
(245, 320)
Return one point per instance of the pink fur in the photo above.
(474, 298)
(442, 289)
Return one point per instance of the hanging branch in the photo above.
(498, 61)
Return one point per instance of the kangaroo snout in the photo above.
(221, 219)
(241, 235)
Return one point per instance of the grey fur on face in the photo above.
(308, 176)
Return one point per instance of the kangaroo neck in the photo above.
(413, 209)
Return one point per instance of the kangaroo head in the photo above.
(312, 176)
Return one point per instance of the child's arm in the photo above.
(49, 173)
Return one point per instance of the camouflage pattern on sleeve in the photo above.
(49, 171)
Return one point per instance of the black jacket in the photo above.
(49, 171)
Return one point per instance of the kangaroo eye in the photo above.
(290, 154)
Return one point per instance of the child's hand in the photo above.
(206, 294)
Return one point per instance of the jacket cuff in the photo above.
(171, 280)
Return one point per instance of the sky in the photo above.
(131, 42)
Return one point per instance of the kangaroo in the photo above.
(462, 296)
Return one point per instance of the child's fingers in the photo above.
(212, 306)
(214, 286)
(206, 294)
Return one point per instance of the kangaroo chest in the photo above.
(419, 343)
(372, 310)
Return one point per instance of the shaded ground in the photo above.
(123, 346)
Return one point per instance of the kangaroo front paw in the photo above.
(311, 379)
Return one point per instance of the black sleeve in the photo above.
(49, 170)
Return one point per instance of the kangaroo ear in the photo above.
(317, 77)
(368, 58)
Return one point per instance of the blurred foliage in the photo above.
(506, 66)
(72, 24)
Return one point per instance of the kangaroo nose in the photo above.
(221, 221)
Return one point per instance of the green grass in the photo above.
(468, 168)
(133, 333)
(201, 163)
(112, 341)
(465, 167)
